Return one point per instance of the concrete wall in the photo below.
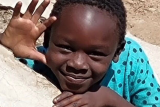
(22, 87)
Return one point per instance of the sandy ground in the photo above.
(32, 89)
(144, 19)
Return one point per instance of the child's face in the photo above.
(82, 46)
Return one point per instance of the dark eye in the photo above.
(65, 47)
(97, 53)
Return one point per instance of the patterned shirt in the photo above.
(131, 77)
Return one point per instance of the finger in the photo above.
(67, 101)
(42, 27)
(84, 106)
(17, 9)
(62, 96)
(39, 11)
(30, 9)
(35, 55)
(78, 103)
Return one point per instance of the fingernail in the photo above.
(56, 105)
(55, 100)
(55, 18)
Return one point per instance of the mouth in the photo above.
(73, 78)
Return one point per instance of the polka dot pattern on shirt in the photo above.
(141, 81)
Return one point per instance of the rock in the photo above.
(21, 86)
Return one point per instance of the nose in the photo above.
(78, 62)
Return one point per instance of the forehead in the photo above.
(87, 15)
(86, 22)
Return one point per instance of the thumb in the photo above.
(35, 55)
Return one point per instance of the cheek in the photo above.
(99, 69)
(55, 60)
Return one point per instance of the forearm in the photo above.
(121, 102)
(114, 99)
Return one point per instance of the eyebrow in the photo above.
(100, 48)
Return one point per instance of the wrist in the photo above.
(1, 38)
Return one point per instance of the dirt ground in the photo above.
(143, 19)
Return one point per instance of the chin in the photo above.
(74, 88)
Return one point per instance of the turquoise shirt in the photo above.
(131, 77)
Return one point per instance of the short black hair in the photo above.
(114, 7)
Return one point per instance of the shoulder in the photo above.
(133, 48)
(133, 59)
(132, 53)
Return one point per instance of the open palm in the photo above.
(22, 32)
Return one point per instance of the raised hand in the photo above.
(22, 32)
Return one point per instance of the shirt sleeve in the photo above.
(144, 88)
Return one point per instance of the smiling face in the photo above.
(82, 46)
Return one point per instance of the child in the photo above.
(95, 65)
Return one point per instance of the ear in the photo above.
(118, 51)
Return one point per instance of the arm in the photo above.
(103, 97)
(115, 99)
